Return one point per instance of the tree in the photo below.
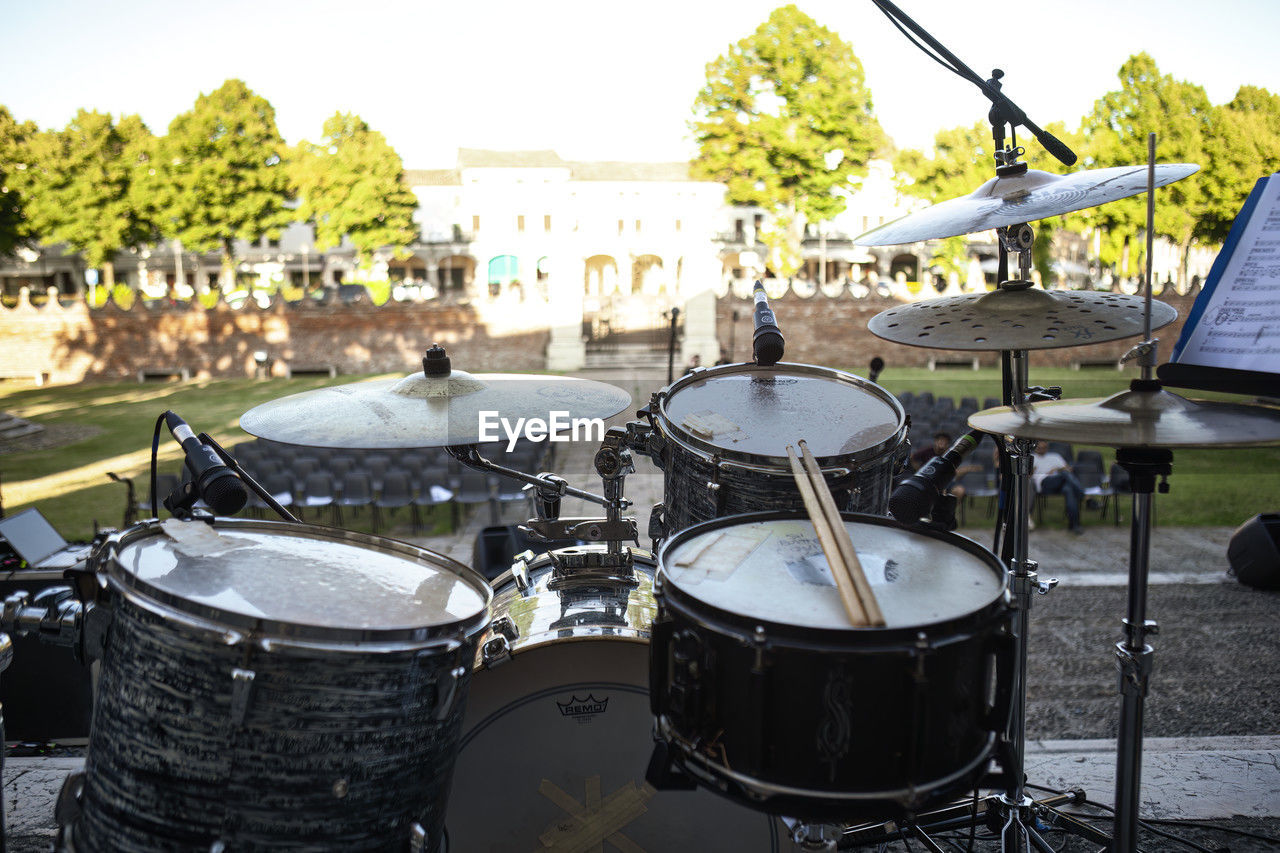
(1116, 135)
(218, 175)
(785, 122)
(78, 183)
(352, 184)
(13, 139)
(1244, 147)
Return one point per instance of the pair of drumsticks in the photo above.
(855, 592)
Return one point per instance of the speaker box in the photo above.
(1254, 552)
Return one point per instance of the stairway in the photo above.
(618, 355)
(12, 427)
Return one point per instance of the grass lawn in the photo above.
(70, 486)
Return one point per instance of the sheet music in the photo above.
(1239, 326)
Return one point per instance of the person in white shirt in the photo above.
(1052, 475)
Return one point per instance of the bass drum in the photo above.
(558, 731)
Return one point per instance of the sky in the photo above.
(592, 80)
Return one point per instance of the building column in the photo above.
(697, 293)
(566, 350)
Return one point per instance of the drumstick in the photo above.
(827, 536)
(860, 583)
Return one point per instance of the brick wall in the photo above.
(72, 342)
(833, 332)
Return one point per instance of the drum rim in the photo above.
(710, 450)
(669, 592)
(105, 563)
(531, 642)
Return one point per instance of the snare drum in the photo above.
(275, 686)
(720, 436)
(558, 732)
(764, 692)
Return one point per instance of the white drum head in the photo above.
(554, 750)
(298, 579)
(775, 570)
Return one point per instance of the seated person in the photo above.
(941, 441)
(1051, 475)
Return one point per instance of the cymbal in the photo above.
(1008, 319)
(1137, 419)
(1021, 198)
(428, 411)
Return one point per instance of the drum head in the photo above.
(772, 568)
(758, 411)
(264, 574)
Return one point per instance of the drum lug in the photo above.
(241, 694)
(520, 571)
(713, 485)
(658, 522)
(759, 642)
(417, 838)
(495, 651)
(445, 706)
(66, 810)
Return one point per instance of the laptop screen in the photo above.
(31, 535)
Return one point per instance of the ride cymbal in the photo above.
(428, 411)
(1153, 418)
(1026, 319)
(1021, 198)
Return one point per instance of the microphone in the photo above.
(767, 343)
(211, 480)
(915, 498)
(877, 365)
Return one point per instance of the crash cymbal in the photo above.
(1021, 198)
(428, 411)
(1008, 319)
(1137, 419)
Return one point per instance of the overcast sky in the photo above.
(593, 80)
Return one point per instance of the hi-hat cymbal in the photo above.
(1137, 419)
(1021, 198)
(428, 411)
(1008, 319)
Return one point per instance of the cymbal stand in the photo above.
(1134, 657)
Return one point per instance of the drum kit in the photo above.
(285, 686)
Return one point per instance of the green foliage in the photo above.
(952, 255)
(13, 139)
(379, 291)
(1116, 135)
(1244, 147)
(218, 175)
(123, 295)
(785, 122)
(352, 184)
(78, 186)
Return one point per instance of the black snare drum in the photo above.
(720, 436)
(764, 692)
(271, 686)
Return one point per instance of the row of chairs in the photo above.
(320, 481)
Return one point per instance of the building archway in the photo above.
(908, 265)
(648, 277)
(456, 272)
